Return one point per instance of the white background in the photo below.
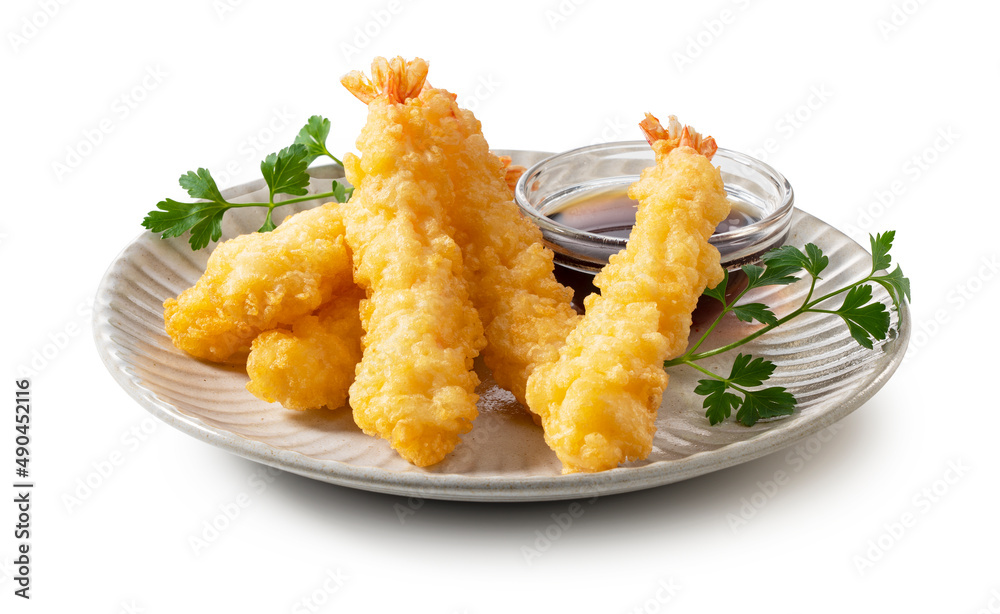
(843, 99)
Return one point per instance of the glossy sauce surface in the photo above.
(609, 211)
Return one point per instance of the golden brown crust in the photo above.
(311, 365)
(598, 402)
(259, 281)
(415, 384)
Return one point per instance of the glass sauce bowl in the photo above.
(578, 200)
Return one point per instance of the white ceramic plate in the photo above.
(504, 457)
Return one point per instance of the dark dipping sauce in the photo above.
(610, 212)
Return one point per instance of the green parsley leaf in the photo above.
(341, 192)
(208, 229)
(268, 224)
(896, 285)
(749, 371)
(719, 291)
(754, 404)
(767, 403)
(718, 403)
(201, 184)
(786, 259)
(313, 137)
(815, 260)
(203, 219)
(881, 244)
(772, 274)
(172, 219)
(285, 171)
(754, 311)
(865, 321)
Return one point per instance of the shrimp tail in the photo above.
(512, 172)
(674, 135)
(396, 79)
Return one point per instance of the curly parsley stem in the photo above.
(688, 357)
(807, 307)
(290, 201)
(326, 152)
(867, 320)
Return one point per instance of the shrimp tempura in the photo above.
(526, 313)
(598, 402)
(415, 384)
(311, 365)
(259, 281)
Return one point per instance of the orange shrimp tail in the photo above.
(396, 79)
(512, 172)
(677, 136)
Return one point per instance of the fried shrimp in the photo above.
(598, 402)
(259, 281)
(525, 312)
(415, 384)
(311, 365)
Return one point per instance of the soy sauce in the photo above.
(607, 210)
(610, 212)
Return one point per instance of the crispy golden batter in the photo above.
(256, 282)
(311, 365)
(415, 384)
(526, 313)
(598, 402)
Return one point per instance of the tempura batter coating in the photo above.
(526, 313)
(415, 384)
(256, 282)
(598, 402)
(312, 365)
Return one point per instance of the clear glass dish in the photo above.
(546, 189)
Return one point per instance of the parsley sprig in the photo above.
(867, 321)
(283, 171)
